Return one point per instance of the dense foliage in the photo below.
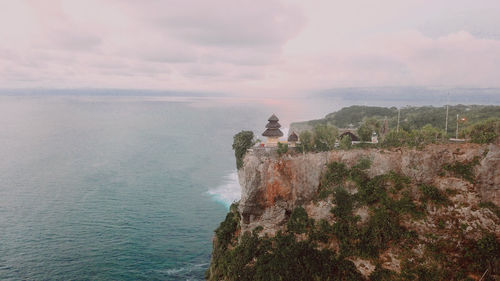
(383, 226)
(414, 138)
(226, 229)
(463, 170)
(345, 142)
(322, 138)
(367, 128)
(282, 257)
(282, 148)
(413, 118)
(354, 115)
(419, 126)
(433, 194)
(484, 132)
(306, 142)
(242, 141)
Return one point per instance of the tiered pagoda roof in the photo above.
(273, 127)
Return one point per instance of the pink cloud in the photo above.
(247, 47)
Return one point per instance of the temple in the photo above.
(273, 132)
(293, 139)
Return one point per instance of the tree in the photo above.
(345, 142)
(366, 129)
(324, 137)
(430, 134)
(305, 144)
(242, 141)
(484, 132)
(282, 148)
(396, 139)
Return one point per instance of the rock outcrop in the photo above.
(405, 214)
(273, 186)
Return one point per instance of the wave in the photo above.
(228, 192)
(185, 271)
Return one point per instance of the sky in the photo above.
(263, 48)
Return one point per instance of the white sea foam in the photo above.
(229, 191)
(187, 269)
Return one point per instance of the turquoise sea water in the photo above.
(115, 188)
(122, 187)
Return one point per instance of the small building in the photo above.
(273, 132)
(292, 139)
(347, 133)
(374, 137)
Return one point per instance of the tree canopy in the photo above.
(242, 141)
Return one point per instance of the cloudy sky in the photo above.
(253, 47)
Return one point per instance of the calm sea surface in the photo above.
(114, 188)
(121, 187)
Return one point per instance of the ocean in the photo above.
(117, 187)
(122, 187)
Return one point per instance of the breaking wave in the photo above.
(229, 191)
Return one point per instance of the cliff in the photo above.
(377, 214)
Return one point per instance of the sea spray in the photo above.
(229, 191)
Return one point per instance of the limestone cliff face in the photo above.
(273, 186)
(364, 214)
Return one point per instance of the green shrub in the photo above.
(430, 192)
(382, 274)
(404, 205)
(358, 176)
(413, 138)
(335, 174)
(299, 221)
(227, 228)
(366, 129)
(489, 247)
(306, 142)
(322, 232)
(364, 163)
(463, 170)
(242, 141)
(345, 143)
(422, 273)
(482, 254)
(400, 181)
(370, 191)
(324, 137)
(344, 203)
(484, 132)
(396, 139)
(282, 148)
(281, 257)
(382, 227)
(292, 260)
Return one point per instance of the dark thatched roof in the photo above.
(273, 125)
(353, 136)
(272, 133)
(293, 137)
(273, 118)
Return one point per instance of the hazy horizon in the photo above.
(249, 48)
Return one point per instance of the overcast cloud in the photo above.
(253, 47)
